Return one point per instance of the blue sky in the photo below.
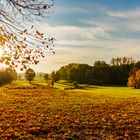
(90, 30)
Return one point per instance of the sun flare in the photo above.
(2, 64)
(1, 52)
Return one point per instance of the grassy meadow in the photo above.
(33, 112)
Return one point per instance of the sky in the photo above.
(91, 30)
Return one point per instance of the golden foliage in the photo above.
(134, 80)
(20, 51)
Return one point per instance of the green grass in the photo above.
(113, 92)
(102, 92)
(95, 112)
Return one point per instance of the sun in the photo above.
(4, 51)
(2, 65)
(1, 52)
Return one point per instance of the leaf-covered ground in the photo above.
(41, 113)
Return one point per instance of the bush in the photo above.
(50, 83)
(134, 80)
(75, 84)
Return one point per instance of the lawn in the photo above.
(99, 113)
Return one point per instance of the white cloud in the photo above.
(98, 50)
(69, 9)
(71, 32)
(133, 13)
(87, 44)
(109, 24)
(126, 19)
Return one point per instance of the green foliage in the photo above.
(99, 64)
(46, 77)
(55, 76)
(101, 73)
(134, 80)
(7, 76)
(75, 84)
(30, 75)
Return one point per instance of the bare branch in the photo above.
(18, 44)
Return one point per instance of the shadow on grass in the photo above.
(82, 88)
(35, 84)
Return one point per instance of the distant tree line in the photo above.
(101, 73)
(7, 76)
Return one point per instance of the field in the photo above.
(93, 113)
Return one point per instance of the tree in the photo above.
(30, 75)
(122, 61)
(46, 77)
(7, 76)
(22, 46)
(100, 64)
(55, 76)
(12, 72)
(137, 65)
(134, 80)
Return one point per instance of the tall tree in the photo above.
(122, 61)
(100, 64)
(21, 45)
(30, 75)
(55, 76)
(46, 77)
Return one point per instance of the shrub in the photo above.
(75, 84)
(134, 80)
(50, 83)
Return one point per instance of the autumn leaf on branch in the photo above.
(21, 46)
